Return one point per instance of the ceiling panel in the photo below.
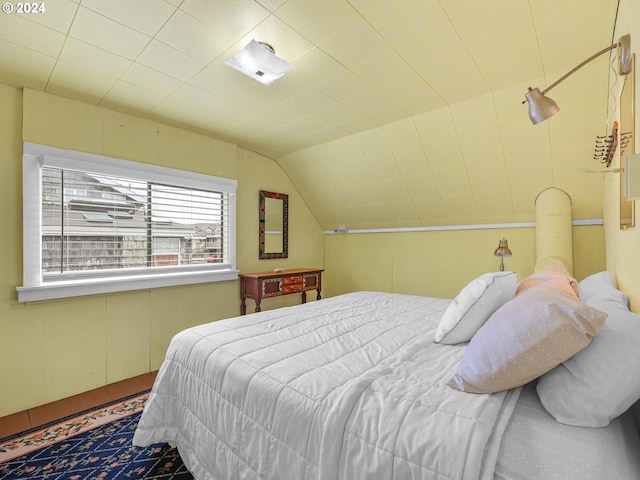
(145, 16)
(318, 20)
(87, 56)
(461, 210)
(34, 67)
(354, 46)
(190, 36)
(230, 19)
(409, 112)
(131, 99)
(520, 140)
(21, 32)
(504, 48)
(59, 18)
(439, 137)
(150, 79)
(426, 39)
(107, 34)
(315, 67)
(165, 59)
(86, 85)
(573, 31)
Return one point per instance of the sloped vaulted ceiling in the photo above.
(397, 113)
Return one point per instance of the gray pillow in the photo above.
(603, 380)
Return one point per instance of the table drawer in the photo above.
(292, 288)
(292, 279)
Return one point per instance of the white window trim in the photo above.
(34, 289)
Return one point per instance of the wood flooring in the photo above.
(35, 417)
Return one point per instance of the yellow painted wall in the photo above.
(623, 246)
(54, 349)
(306, 240)
(50, 350)
(440, 263)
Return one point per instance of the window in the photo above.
(95, 224)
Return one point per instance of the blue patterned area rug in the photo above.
(92, 445)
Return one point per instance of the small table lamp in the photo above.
(502, 251)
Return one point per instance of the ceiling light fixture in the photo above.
(259, 61)
(541, 107)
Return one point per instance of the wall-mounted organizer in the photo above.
(606, 146)
(627, 148)
(625, 143)
(631, 177)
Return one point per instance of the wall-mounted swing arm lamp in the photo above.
(542, 107)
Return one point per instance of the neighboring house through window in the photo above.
(95, 224)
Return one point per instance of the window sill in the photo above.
(77, 288)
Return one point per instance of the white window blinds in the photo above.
(100, 218)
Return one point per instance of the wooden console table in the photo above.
(274, 284)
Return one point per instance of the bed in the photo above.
(370, 385)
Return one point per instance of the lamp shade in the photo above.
(258, 60)
(503, 249)
(540, 106)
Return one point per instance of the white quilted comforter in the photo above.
(350, 387)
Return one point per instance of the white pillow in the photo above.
(475, 303)
(603, 380)
(600, 287)
(544, 325)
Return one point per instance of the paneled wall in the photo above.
(623, 246)
(440, 263)
(50, 350)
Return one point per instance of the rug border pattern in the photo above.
(23, 443)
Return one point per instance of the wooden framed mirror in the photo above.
(627, 134)
(273, 225)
